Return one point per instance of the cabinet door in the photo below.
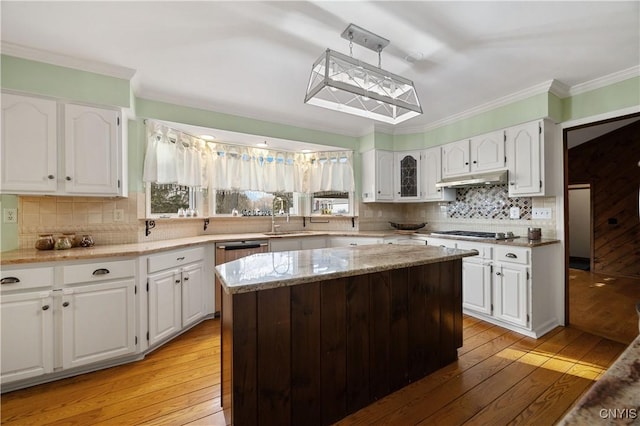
(511, 294)
(27, 335)
(91, 150)
(431, 173)
(164, 305)
(487, 152)
(523, 148)
(29, 144)
(407, 176)
(313, 243)
(284, 244)
(384, 175)
(193, 293)
(455, 158)
(98, 322)
(476, 286)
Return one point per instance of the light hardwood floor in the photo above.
(604, 305)
(500, 378)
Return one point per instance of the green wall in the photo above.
(624, 94)
(8, 231)
(65, 83)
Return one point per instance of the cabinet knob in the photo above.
(186, 278)
(68, 178)
(512, 183)
(498, 274)
(475, 162)
(177, 281)
(438, 190)
(51, 177)
(379, 192)
(466, 164)
(65, 304)
(45, 307)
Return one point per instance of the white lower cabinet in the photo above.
(511, 301)
(98, 322)
(27, 335)
(476, 285)
(354, 241)
(177, 295)
(297, 243)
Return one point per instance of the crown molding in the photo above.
(58, 59)
(604, 81)
(496, 103)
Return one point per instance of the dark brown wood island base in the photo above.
(316, 352)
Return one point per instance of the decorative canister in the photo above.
(534, 233)
(72, 238)
(86, 241)
(62, 243)
(45, 242)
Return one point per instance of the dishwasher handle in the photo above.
(243, 246)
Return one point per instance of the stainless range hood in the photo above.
(476, 179)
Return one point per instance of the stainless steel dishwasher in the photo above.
(233, 250)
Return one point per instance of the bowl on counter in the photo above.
(407, 226)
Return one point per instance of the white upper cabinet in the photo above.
(455, 158)
(29, 144)
(377, 175)
(407, 180)
(487, 152)
(525, 154)
(431, 173)
(91, 150)
(63, 149)
(478, 154)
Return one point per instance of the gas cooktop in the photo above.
(477, 235)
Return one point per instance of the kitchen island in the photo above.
(310, 336)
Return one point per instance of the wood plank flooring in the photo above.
(604, 305)
(500, 378)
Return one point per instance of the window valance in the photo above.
(174, 157)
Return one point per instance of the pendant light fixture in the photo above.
(343, 83)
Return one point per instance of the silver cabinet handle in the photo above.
(101, 271)
(9, 280)
(511, 256)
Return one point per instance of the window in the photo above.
(166, 200)
(253, 203)
(331, 202)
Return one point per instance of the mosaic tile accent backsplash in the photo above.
(487, 202)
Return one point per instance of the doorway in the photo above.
(602, 250)
(580, 227)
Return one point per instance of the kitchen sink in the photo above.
(286, 232)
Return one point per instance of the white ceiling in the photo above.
(254, 58)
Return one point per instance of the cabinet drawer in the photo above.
(98, 271)
(513, 255)
(174, 259)
(485, 251)
(22, 279)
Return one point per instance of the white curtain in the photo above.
(173, 157)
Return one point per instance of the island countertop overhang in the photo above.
(265, 271)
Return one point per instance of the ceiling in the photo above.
(253, 59)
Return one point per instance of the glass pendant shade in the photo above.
(345, 84)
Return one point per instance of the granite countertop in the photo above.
(31, 255)
(616, 393)
(515, 242)
(271, 270)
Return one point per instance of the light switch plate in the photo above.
(10, 215)
(118, 215)
(541, 213)
(514, 212)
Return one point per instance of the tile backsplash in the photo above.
(487, 202)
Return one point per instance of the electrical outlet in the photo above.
(541, 213)
(118, 215)
(514, 212)
(10, 215)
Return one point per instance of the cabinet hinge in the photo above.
(118, 183)
(540, 184)
(147, 335)
(539, 129)
(135, 289)
(491, 266)
(147, 285)
(504, 134)
(136, 340)
(118, 120)
(527, 318)
(527, 275)
(492, 308)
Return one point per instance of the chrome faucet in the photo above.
(273, 212)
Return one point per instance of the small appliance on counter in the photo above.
(534, 234)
